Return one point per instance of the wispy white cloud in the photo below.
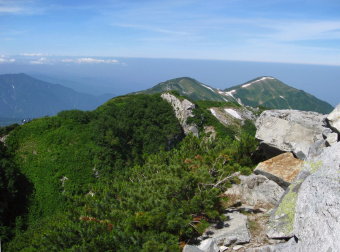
(33, 54)
(4, 59)
(90, 61)
(8, 9)
(40, 61)
(20, 7)
(302, 30)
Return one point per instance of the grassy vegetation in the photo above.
(121, 178)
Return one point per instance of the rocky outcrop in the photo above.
(233, 231)
(333, 119)
(183, 111)
(280, 247)
(289, 130)
(3, 138)
(282, 169)
(208, 245)
(310, 209)
(256, 190)
(317, 217)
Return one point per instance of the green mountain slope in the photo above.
(272, 93)
(22, 96)
(190, 88)
(120, 178)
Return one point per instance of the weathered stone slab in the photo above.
(310, 209)
(317, 217)
(332, 138)
(282, 169)
(334, 119)
(289, 130)
(280, 247)
(256, 190)
(233, 231)
(208, 245)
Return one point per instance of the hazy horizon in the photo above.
(133, 74)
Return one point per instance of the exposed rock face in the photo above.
(282, 169)
(334, 119)
(317, 218)
(332, 138)
(281, 247)
(289, 130)
(183, 110)
(3, 139)
(232, 231)
(256, 190)
(208, 245)
(310, 210)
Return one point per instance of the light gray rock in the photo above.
(316, 148)
(289, 130)
(317, 217)
(326, 132)
(332, 138)
(256, 190)
(237, 247)
(208, 245)
(223, 248)
(183, 110)
(3, 139)
(289, 246)
(191, 248)
(334, 119)
(233, 231)
(310, 209)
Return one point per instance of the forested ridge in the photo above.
(123, 177)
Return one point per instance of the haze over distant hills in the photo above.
(22, 96)
(263, 91)
(133, 74)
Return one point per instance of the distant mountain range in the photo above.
(264, 91)
(22, 96)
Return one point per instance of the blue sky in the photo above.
(292, 31)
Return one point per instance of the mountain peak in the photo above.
(270, 92)
(189, 87)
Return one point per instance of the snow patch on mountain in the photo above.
(253, 82)
(233, 113)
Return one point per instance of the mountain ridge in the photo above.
(22, 96)
(189, 87)
(265, 91)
